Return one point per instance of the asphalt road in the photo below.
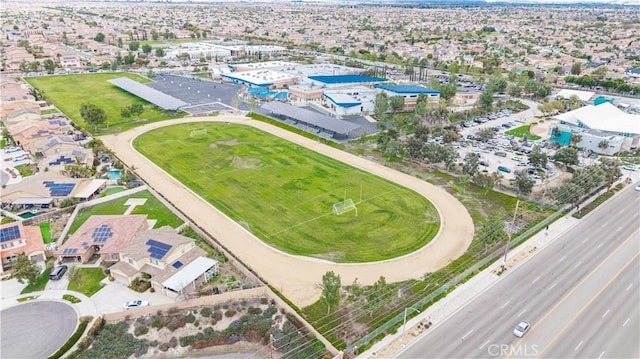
(36, 329)
(558, 290)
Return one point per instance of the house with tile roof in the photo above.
(15, 239)
(105, 235)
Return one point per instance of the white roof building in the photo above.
(604, 117)
(583, 96)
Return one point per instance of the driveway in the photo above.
(111, 298)
(36, 329)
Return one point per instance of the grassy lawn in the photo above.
(284, 193)
(68, 92)
(112, 190)
(45, 230)
(40, 283)
(521, 132)
(25, 170)
(153, 208)
(89, 281)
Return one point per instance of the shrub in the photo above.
(190, 318)
(164, 347)
(175, 322)
(229, 313)
(141, 330)
(154, 343)
(269, 312)
(206, 312)
(217, 315)
(173, 342)
(254, 311)
(264, 301)
(157, 323)
(96, 327)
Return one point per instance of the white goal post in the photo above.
(344, 207)
(199, 132)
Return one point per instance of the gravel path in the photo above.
(298, 277)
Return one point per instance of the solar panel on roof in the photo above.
(177, 264)
(9, 234)
(156, 256)
(155, 243)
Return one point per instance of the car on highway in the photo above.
(57, 272)
(521, 329)
(136, 303)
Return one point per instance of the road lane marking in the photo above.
(466, 335)
(584, 307)
(505, 304)
(578, 346)
(577, 264)
(619, 229)
(585, 240)
(561, 259)
(553, 285)
(599, 245)
(601, 355)
(605, 313)
(522, 312)
(485, 343)
(629, 287)
(625, 322)
(535, 280)
(563, 299)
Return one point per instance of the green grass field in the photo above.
(89, 282)
(521, 132)
(69, 92)
(284, 193)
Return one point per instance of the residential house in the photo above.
(171, 262)
(15, 239)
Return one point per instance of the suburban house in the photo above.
(171, 262)
(105, 235)
(15, 239)
(50, 187)
(600, 128)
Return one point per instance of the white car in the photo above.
(136, 303)
(629, 167)
(521, 329)
(638, 187)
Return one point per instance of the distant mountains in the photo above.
(419, 3)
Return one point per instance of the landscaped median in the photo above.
(598, 201)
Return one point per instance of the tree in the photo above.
(576, 68)
(524, 183)
(49, 65)
(566, 155)
(129, 58)
(497, 84)
(485, 181)
(99, 37)
(567, 193)
(93, 115)
(134, 46)
(330, 290)
(470, 164)
(604, 144)
(537, 158)
(146, 48)
(575, 138)
(119, 42)
(486, 99)
(37, 94)
(485, 134)
(378, 295)
(514, 90)
(24, 66)
(396, 103)
(449, 156)
(159, 52)
(136, 109)
(381, 106)
(125, 113)
(24, 269)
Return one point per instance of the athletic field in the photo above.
(284, 194)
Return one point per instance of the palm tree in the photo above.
(575, 138)
(604, 144)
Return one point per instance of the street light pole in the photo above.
(404, 322)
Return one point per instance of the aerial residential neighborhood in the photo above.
(329, 179)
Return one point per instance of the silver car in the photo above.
(521, 329)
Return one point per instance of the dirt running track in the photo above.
(298, 277)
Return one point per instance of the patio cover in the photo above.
(190, 272)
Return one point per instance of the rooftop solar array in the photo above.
(102, 233)
(157, 249)
(147, 93)
(57, 122)
(177, 264)
(62, 159)
(69, 251)
(310, 117)
(9, 234)
(59, 189)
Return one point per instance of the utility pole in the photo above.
(613, 171)
(510, 233)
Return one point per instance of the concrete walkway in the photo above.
(298, 277)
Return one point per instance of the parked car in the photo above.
(504, 169)
(521, 329)
(483, 163)
(58, 272)
(629, 167)
(136, 303)
(500, 154)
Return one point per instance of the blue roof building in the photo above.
(407, 89)
(334, 80)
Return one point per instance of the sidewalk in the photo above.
(391, 345)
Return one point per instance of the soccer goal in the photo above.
(344, 207)
(196, 133)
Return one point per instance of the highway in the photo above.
(580, 294)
